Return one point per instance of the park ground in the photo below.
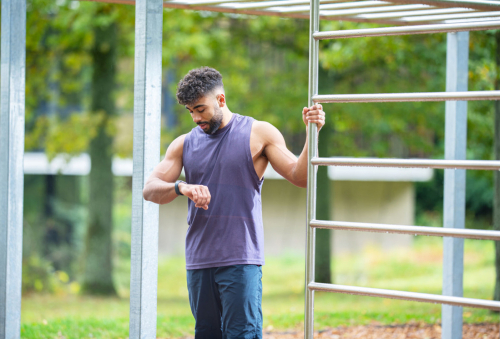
(417, 269)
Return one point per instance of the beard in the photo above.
(215, 122)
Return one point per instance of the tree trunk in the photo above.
(496, 199)
(98, 277)
(322, 262)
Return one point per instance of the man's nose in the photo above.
(196, 118)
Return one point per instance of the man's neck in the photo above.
(227, 115)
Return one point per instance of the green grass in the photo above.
(417, 269)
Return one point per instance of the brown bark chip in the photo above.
(406, 331)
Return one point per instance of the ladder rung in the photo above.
(405, 30)
(402, 295)
(408, 97)
(404, 229)
(409, 163)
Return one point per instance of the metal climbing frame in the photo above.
(454, 165)
(428, 16)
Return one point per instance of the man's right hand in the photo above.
(198, 193)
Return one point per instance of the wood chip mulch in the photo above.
(406, 331)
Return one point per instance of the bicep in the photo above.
(280, 157)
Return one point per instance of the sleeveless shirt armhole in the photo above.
(186, 140)
(249, 152)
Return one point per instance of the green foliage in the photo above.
(40, 277)
(37, 275)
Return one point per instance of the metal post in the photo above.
(311, 172)
(454, 182)
(147, 122)
(13, 81)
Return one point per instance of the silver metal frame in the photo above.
(408, 97)
(409, 163)
(13, 61)
(404, 229)
(433, 16)
(457, 74)
(393, 12)
(312, 152)
(403, 295)
(406, 30)
(147, 122)
(454, 203)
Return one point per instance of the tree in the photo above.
(98, 277)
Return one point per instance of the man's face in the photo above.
(206, 113)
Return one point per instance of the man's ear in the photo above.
(221, 99)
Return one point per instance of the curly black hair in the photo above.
(198, 83)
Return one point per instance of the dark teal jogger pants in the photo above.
(226, 301)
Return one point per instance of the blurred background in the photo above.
(79, 126)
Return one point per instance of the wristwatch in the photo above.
(177, 187)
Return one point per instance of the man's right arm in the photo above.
(160, 186)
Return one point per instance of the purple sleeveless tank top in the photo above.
(230, 232)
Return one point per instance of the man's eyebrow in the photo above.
(195, 107)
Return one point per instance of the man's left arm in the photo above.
(283, 161)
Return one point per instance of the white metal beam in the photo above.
(457, 74)
(12, 115)
(147, 122)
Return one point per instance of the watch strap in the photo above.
(177, 187)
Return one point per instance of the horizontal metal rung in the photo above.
(402, 295)
(408, 97)
(405, 30)
(409, 163)
(403, 229)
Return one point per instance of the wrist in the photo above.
(179, 187)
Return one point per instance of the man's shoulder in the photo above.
(264, 128)
(176, 147)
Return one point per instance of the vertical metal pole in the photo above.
(147, 122)
(312, 149)
(13, 61)
(457, 60)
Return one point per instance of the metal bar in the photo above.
(457, 62)
(335, 4)
(12, 116)
(408, 97)
(404, 30)
(206, 2)
(409, 163)
(403, 229)
(257, 12)
(352, 11)
(147, 122)
(494, 18)
(437, 18)
(312, 152)
(414, 13)
(482, 5)
(410, 296)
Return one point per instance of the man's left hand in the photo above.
(314, 114)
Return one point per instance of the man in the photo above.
(224, 160)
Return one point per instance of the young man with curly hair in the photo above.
(224, 160)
